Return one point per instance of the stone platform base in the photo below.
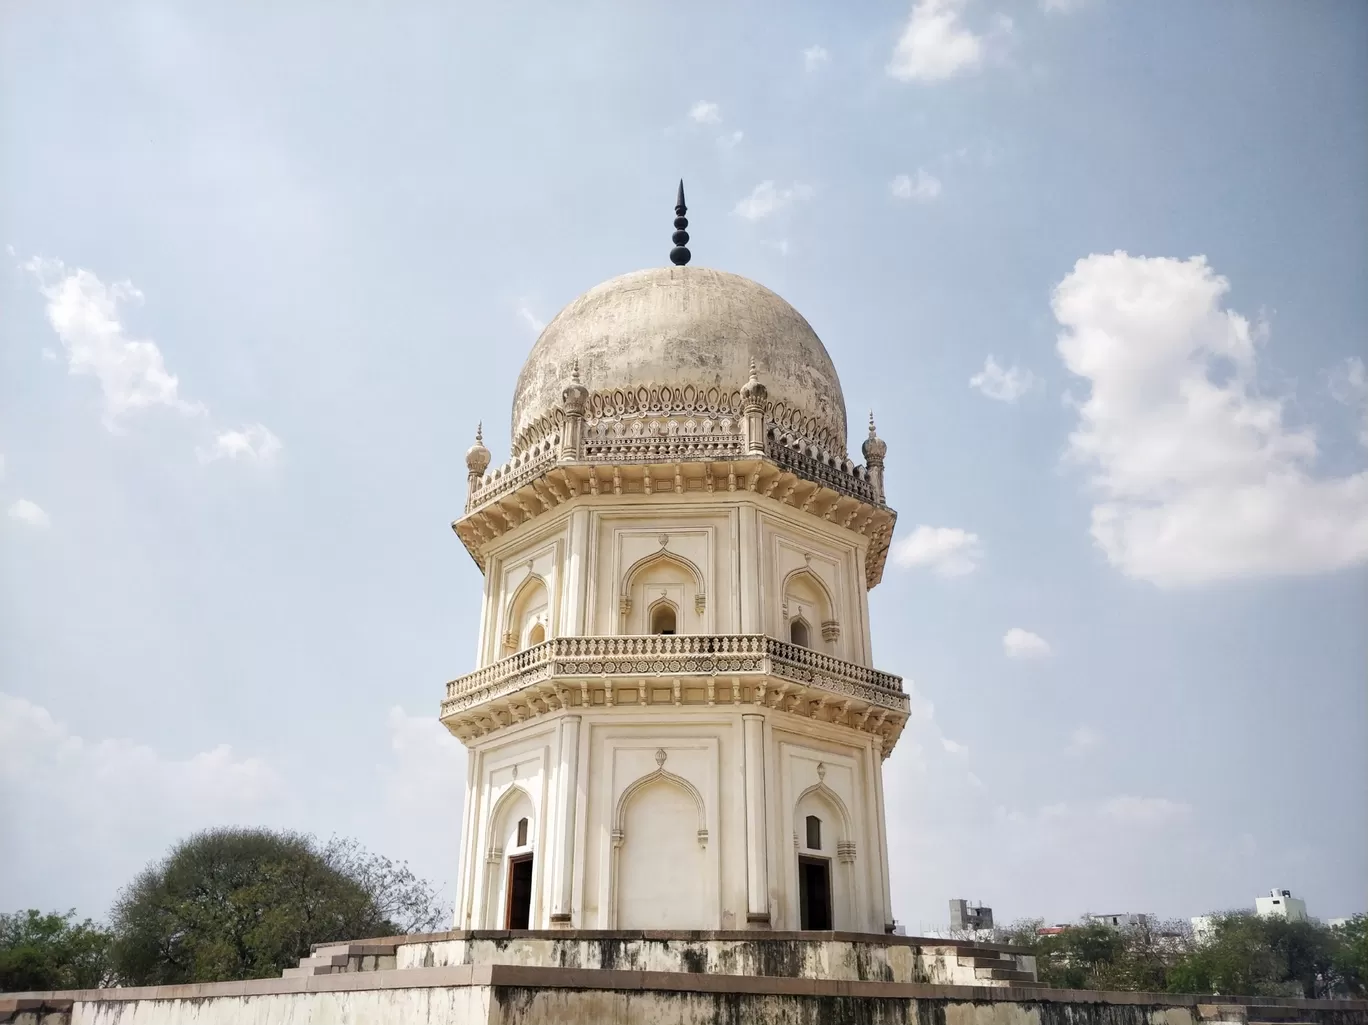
(852, 957)
(516, 995)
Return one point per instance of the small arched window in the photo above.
(814, 833)
(663, 618)
(535, 636)
(798, 633)
(522, 832)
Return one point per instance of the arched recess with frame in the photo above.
(810, 612)
(511, 856)
(662, 873)
(527, 616)
(663, 576)
(834, 847)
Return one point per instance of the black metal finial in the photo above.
(679, 256)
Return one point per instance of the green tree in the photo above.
(1351, 954)
(1091, 955)
(248, 903)
(52, 951)
(1253, 956)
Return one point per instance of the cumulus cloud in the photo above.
(95, 811)
(1019, 643)
(767, 199)
(814, 57)
(1144, 811)
(1003, 385)
(86, 315)
(935, 44)
(1061, 6)
(30, 513)
(705, 113)
(954, 747)
(253, 443)
(1197, 474)
(924, 188)
(731, 140)
(946, 551)
(109, 801)
(1349, 384)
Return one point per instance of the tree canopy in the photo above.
(52, 951)
(1243, 955)
(248, 903)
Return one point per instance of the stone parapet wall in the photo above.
(852, 957)
(517, 995)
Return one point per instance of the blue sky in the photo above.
(268, 265)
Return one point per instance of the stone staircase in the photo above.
(1253, 1014)
(992, 965)
(340, 958)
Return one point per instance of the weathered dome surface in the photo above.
(687, 332)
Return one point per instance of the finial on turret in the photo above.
(874, 447)
(477, 456)
(679, 256)
(574, 371)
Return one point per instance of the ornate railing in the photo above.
(664, 448)
(836, 478)
(515, 473)
(674, 655)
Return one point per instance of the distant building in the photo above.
(1278, 904)
(1123, 921)
(1281, 904)
(965, 916)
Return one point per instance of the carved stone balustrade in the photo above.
(680, 669)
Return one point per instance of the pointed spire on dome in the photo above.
(477, 456)
(874, 447)
(679, 256)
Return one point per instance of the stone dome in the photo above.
(682, 334)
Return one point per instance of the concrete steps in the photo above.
(994, 965)
(341, 958)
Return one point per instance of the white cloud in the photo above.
(924, 187)
(1349, 384)
(1019, 643)
(946, 551)
(954, 747)
(814, 57)
(1083, 739)
(1198, 477)
(425, 771)
(531, 319)
(780, 245)
(95, 811)
(1003, 385)
(29, 512)
(705, 113)
(767, 199)
(85, 314)
(731, 140)
(934, 45)
(1061, 6)
(254, 443)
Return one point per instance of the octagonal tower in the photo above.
(675, 721)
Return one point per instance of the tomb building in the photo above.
(675, 721)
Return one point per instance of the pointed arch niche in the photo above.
(824, 845)
(527, 617)
(511, 867)
(661, 581)
(810, 612)
(660, 861)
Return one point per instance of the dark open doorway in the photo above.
(519, 910)
(814, 893)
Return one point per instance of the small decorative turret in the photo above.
(679, 256)
(753, 397)
(573, 399)
(575, 394)
(874, 449)
(477, 459)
